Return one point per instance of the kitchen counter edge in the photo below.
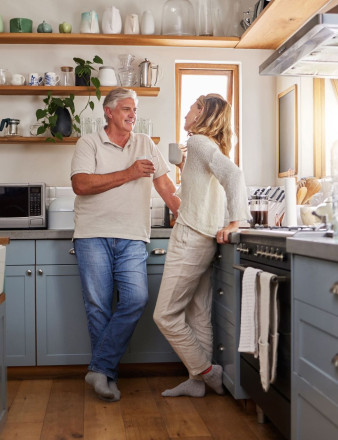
(56, 234)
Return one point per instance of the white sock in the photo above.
(214, 378)
(191, 387)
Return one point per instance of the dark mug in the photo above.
(20, 25)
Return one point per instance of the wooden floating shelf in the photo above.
(42, 140)
(67, 90)
(118, 40)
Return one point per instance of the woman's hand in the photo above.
(183, 148)
(222, 235)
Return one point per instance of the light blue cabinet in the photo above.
(20, 303)
(226, 317)
(147, 343)
(47, 323)
(314, 403)
(3, 369)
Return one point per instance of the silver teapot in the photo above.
(12, 125)
(146, 68)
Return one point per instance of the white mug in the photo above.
(51, 79)
(175, 154)
(34, 79)
(131, 24)
(18, 79)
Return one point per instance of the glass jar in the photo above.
(67, 76)
(178, 18)
(259, 210)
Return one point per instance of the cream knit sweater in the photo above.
(213, 191)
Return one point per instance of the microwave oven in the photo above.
(23, 206)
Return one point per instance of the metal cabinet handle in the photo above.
(71, 251)
(334, 288)
(220, 291)
(334, 360)
(40, 272)
(158, 251)
(220, 347)
(29, 272)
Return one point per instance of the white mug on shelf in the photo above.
(18, 79)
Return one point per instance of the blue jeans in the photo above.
(105, 263)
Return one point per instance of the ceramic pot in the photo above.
(111, 21)
(89, 23)
(83, 80)
(63, 123)
(20, 25)
(147, 23)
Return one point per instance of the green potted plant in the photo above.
(59, 114)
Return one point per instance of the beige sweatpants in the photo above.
(183, 309)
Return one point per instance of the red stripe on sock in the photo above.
(207, 370)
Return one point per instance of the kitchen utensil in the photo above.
(175, 154)
(111, 21)
(131, 24)
(301, 193)
(178, 18)
(18, 79)
(259, 210)
(205, 24)
(44, 27)
(274, 193)
(67, 76)
(34, 79)
(20, 25)
(51, 79)
(12, 125)
(89, 23)
(3, 76)
(147, 23)
(313, 186)
(146, 68)
(107, 76)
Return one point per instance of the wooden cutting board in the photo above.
(4, 240)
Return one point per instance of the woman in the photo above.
(213, 201)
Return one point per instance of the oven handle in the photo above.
(274, 279)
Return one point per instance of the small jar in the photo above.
(259, 210)
(67, 76)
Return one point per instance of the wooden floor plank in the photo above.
(64, 414)
(142, 418)
(102, 420)
(12, 389)
(22, 431)
(181, 418)
(30, 402)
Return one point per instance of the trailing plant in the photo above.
(48, 113)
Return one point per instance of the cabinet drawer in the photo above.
(225, 257)
(313, 280)
(55, 252)
(315, 345)
(223, 295)
(157, 250)
(20, 252)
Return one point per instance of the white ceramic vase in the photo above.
(147, 23)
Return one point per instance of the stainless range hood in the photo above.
(311, 51)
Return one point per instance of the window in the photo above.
(193, 80)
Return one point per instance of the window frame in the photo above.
(232, 71)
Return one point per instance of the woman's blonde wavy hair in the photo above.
(214, 121)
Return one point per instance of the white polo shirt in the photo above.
(122, 212)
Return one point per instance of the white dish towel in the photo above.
(249, 332)
(268, 329)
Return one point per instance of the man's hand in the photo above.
(141, 168)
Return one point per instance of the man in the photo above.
(112, 177)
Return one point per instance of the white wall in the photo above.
(51, 163)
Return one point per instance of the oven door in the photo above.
(275, 403)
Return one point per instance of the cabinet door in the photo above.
(3, 372)
(147, 343)
(226, 318)
(61, 323)
(20, 310)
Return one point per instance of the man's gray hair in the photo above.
(116, 95)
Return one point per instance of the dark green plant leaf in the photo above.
(41, 129)
(40, 113)
(97, 60)
(91, 105)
